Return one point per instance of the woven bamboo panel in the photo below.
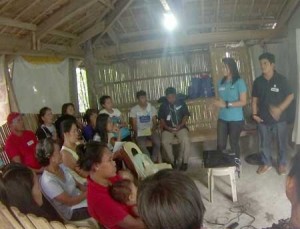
(123, 79)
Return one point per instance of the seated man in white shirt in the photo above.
(144, 122)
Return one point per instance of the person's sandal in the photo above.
(263, 169)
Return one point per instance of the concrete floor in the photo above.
(261, 198)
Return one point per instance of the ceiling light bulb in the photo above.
(170, 22)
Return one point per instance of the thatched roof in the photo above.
(125, 26)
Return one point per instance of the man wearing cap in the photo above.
(173, 115)
(21, 143)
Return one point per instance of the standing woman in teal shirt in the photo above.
(232, 92)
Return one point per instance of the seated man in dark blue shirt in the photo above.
(173, 115)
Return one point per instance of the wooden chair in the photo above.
(3, 157)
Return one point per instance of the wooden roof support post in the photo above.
(92, 73)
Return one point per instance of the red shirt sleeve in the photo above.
(11, 148)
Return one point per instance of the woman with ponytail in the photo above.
(66, 194)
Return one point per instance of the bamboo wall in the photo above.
(122, 80)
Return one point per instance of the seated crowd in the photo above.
(69, 176)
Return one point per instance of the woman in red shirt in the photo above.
(97, 159)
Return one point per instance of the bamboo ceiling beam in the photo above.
(62, 15)
(195, 39)
(15, 46)
(287, 13)
(7, 4)
(234, 10)
(102, 27)
(281, 8)
(251, 9)
(200, 26)
(36, 18)
(22, 12)
(107, 4)
(32, 27)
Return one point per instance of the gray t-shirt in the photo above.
(53, 186)
(143, 119)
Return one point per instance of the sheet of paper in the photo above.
(118, 146)
(82, 204)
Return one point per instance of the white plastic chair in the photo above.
(226, 171)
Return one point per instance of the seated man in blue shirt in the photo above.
(173, 115)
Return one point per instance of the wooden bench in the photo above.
(13, 218)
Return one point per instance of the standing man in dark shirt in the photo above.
(173, 115)
(271, 96)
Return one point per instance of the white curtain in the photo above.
(39, 85)
(296, 130)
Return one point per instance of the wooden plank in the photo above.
(287, 12)
(200, 26)
(14, 46)
(100, 27)
(18, 24)
(32, 27)
(62, 15)
(22, 12)
(107, 3)
(195, 39)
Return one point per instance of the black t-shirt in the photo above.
(270, 92)
(43, 132)
(173, 114)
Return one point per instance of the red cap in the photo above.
(12, 116)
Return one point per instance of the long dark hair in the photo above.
(88, 114)
(101, 124)
(17, 182)
(230, 62)
(42, 114)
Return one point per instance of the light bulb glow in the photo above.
(170, 22)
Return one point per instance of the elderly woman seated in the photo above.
(66, 194)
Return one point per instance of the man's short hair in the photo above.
(140, 93)
(170, 90)
(268, 56)
(103, 99)
(170, 199)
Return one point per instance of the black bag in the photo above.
(217, 159)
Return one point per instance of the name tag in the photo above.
(145, 119)
(275, 89)
(222, 89)
(168, 117)
(30, 143)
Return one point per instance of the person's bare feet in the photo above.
(263, 169)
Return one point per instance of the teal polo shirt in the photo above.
(231, 93)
